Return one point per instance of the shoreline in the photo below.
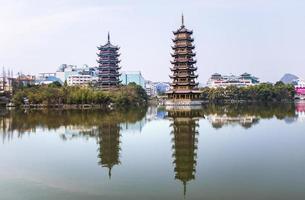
(116, 107)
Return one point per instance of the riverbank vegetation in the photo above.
(264, 92)
(54, 95)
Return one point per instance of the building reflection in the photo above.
(247, 115)
(184, 125)
(246, 121)
(300, 110)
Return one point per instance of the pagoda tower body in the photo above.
(185, 139)
(108, 59)
(184, 88)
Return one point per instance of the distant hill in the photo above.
(289, 78)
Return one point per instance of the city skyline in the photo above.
(263, 38)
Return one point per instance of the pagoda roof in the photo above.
(190, 46)
(184, 83)
(109, 81)
(182, 29)
(109, 69)
(245, 74)
(175, 54)
(107, 53)
(183, 68)
(184, 61)
(108, 61)
(183, 91)
(108, 45)
(183, 76)
(183, 39)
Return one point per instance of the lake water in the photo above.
(217, 152)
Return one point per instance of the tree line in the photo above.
(265, 92)
(55, 94)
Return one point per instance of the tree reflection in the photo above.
(184, 130)
(103, 126)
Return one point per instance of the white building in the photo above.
(217, 80)
(150, 88)
(81, 80)
(77, 76)
(156, 88)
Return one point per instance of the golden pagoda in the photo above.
(184, 88)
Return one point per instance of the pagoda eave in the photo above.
(108, 62)
(184, 62)
(183, 76)
(183, 47)
(183, 92)
(184, 84)
(175, 55)
(108, 54)
(183, 39)
(183, 68)
(182, 31)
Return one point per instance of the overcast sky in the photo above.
(263, 37)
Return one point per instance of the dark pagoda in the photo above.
(185, 137)
(184, 88)
(108, 59)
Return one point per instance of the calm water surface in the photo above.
(218, 152)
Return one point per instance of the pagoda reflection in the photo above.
(185, 124)
(108, 140)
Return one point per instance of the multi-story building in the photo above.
(156, 88)
(65, 71)
(149, 88)
(132, 77)
(245, 79)
(81, 80)
(77, 76)
(300, 89)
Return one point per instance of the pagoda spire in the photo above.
(108, 37)
(182, 20)
(184, 189)
(109, 172)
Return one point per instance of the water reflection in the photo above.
(104, 127)
(248, 115)
(105, 130)
(184, 124)
(300, 110)
(86, 123)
